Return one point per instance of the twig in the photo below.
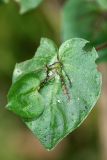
(102, 47)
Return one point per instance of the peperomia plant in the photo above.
(55, 91)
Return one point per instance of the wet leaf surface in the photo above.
(55, 90)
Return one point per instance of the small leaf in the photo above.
(56, 90)
(27, 5)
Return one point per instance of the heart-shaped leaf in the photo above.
(56, 90)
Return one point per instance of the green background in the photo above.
(19, 37)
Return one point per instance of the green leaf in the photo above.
(4, 1)
(103, 4)
(83, 18)
(56, 90)
(27, 5)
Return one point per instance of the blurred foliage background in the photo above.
(19, 37)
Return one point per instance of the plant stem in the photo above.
(101, 47)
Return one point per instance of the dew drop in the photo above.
(59, 101)
(18, 71)
(50, 73)
(78, 98)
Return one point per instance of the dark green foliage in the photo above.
(85, 19)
